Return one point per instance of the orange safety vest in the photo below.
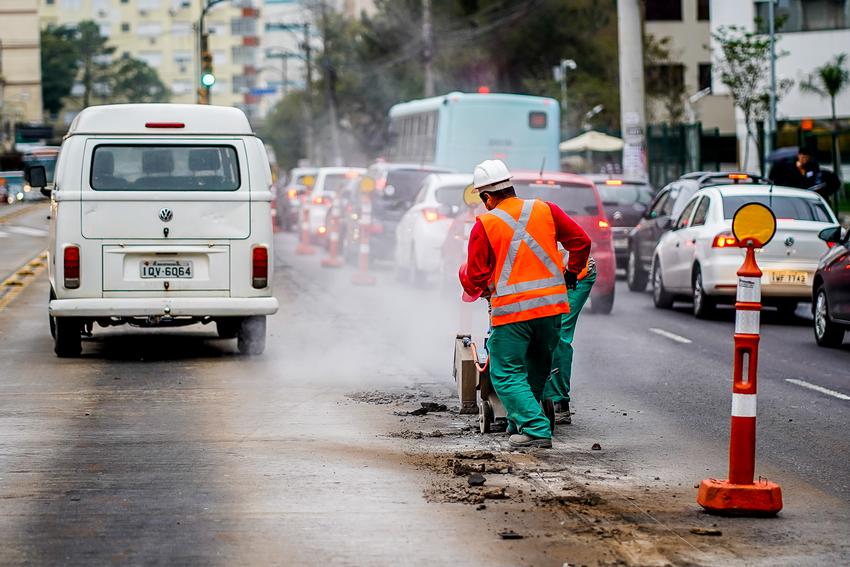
(528, 282)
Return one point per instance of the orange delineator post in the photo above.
(332, 260)
(739, 494)
(362, 275)
(304, 248)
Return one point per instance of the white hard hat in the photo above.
(491, 175)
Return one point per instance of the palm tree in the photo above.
(829, 80)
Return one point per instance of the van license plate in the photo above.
(166, 269)
(801, 278)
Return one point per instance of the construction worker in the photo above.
(514, 261)
(558, 388)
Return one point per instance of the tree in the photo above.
(829, 80)
(664, 79)
(91, 50)
(133, 80)
(743, 63)
(59, 66)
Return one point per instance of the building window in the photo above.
(50, 2)
(220, 86)
(806, 15)
(181, 28)
(149, 29)
(663, 10)
(182, 57)
(125, 1)
(244, 55)
(704, 76)
(243, 26)
(181, 86)
(243, 83)
(105, 29)
(70, 4)
(219, 57)
(125, 27)
(152, 58)
(667, 77)
(148, 4)
(703, 10)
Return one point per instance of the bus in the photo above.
(459, 130)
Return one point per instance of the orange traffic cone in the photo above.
(304, 248)
(333, 260)
(362, 275)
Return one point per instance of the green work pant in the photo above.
(521, 356)
(558, 388)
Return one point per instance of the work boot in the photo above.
(522, 440)
(563, 416)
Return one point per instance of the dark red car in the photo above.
(578, 197)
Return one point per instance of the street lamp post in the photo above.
(560, 73)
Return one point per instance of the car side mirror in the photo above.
(36, 176)
(831, 234)
(664, 223)
(46, 191)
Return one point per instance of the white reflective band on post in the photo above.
(747, 322)
(366, 208)
(749, 289)
(743, 405)
(334, 236)
(364, 248)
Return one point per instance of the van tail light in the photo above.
(292, 194)
(604, 224)
(432, 215)
(725, 240)
(260, 267)
(321, 201)
(71, 261)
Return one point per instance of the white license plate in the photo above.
(801, 278)
(167, 269)
(621, 243)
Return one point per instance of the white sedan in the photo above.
(699, 258)
(423, 228)
(329, 181)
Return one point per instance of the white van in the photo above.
(161, 216)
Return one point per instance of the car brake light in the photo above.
(738, 176)
(260, 267)
(164, 125)
(71, 261)
(603, 224)
(724, 240)
(613, 182)
(321, 201)
(829, 245)
(432, 215)
(292, 193)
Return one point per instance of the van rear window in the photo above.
(164, 168)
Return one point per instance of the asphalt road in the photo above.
(169, 448)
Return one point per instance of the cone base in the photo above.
(304, 250)
(762, 498)
(362, 278)
(332, 262)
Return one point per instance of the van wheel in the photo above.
(661, 298)
(67, 342)
(251, 336)
(228, 328)
(50, 317)
(636, 277)
(705, 306)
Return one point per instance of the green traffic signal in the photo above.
(207, 79)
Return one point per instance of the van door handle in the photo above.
(693, 241)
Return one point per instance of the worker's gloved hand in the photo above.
(570, 279)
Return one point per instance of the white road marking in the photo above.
(671, 336)
(817, 388)
(25, 230)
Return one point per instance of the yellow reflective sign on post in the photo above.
(308, 181)
(754, 224)
(367, 184)
(471, 197)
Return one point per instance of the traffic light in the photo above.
(207, 75)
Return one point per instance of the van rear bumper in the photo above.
(176, 307)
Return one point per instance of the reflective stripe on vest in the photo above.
(526, 305)
(521, 235)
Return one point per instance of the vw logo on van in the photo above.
(789, 241)
(166, 215)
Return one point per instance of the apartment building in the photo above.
(812, 33)
(20, 66)
(163, 33)
(687, 25)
